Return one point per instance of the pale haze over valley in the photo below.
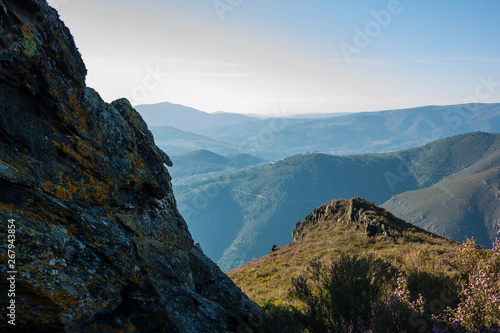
(294, 56)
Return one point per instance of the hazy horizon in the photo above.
(253, 57)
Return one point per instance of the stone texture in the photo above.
(101, 246)
(364, 217)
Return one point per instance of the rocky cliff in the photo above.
(99, 244)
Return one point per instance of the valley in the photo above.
(256, 208)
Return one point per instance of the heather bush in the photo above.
(479, 307)
(401, 312)
(361, 294)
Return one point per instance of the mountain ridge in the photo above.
(186, 118)
(449, 202)
(255, 206)
(202, 163)
(365, 132)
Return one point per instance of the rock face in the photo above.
(100, 245)
(361, 215)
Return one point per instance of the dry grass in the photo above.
(269, 278)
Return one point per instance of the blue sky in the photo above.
(256, 56)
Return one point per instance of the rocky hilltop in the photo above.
(358, 214)
(353, 227)
(100, 245)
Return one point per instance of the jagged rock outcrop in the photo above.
(363, 215)
(100, 244)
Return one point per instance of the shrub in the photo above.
(366, 294)
(285, 317)
(479, 307)
(341, 297)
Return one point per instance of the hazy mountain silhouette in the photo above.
(367, 132)
(186, 118)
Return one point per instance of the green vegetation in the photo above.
(456, 204)
(333, 278)
(201, 164)
(238, 217)
(479, 308)
(413, 250)
(176, 142)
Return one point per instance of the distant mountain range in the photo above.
(245, 209)
(367, 132)
(238, 217)
(277, 138)
(193, 120)
(186, 118)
